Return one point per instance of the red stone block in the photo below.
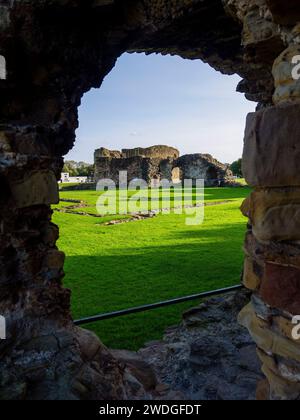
(271, 147)
(281, 287)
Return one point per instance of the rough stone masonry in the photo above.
(55, 51)
(157, 163)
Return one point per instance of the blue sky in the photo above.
(149, 100)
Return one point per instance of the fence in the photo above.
(144, 308)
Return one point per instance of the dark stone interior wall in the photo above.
(56, 50)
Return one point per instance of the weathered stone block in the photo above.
(272, 147)
(89, 344)
(284, 326)
(262, 310)
(245, 207)
(257, 327)
(252, 274)
(35, 188)
(289, 369)
(266, 339)
(267, 360)
(50, 234)
(280, 288)
(137, 367)
(274, 213)
(281, 389)
(55, 259)
(279, 252)
(261, 33)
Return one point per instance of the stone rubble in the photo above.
(209, 356)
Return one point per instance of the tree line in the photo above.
(236, 168)
(78, 168)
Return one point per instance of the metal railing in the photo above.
(144, 308)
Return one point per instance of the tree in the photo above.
(236, 168)
(70, 169)
(78, 168)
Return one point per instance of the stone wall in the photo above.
(161, 163)
(199, 166)
(153, 152)
(136, 167)
(106, 153)
(272, 265)
(55, 51)
(154, 162)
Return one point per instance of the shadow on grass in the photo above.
(192, 261)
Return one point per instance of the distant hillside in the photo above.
(78, 168)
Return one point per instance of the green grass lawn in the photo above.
(62, 185)
(241, 181)
(116, 267)
(210, 195)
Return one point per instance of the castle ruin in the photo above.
(158, 163)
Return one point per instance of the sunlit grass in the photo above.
(116, 267)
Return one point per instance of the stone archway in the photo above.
(56, 51)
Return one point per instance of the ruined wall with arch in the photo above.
(160, 163)
(55, 52)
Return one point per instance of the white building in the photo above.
(66, 178)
